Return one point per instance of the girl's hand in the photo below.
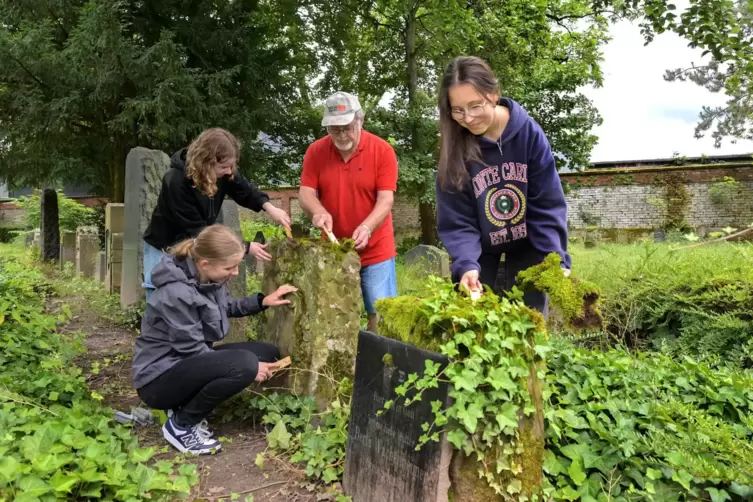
(264, 372)
(275, 299)
(259, 251)
(280, 216)
(470, 281)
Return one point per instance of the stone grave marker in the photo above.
(50, 226)
(318, 330)
(87, 247)
(100, 270)
(143, 182)
(428, 260)
(36, 241)
(381, 463)
(68, 248)
(229, 217)
(113, 246)
(28, 238)
(660, 235)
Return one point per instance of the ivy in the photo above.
(56, 440)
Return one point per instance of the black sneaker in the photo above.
(190, 440)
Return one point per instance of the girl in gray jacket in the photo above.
(176, 365)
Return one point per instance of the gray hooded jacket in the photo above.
(183, 318)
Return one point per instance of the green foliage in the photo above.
(624, 426)
(9, 232)
(578, 301)
(496, 348)
(71, 214)
(722, 192)
(58, 442)
(249, 228)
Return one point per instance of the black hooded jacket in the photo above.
(182, 211)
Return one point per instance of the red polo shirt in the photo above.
(348, 190)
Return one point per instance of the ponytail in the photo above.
(216, 243)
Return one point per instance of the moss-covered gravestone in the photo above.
(319, 330)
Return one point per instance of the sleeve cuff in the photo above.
(260, 298)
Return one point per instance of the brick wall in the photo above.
(635, 198)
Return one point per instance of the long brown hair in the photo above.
(458, 145)
(216, 243)
(213, 146)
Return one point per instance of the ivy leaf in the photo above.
(142, 455)
(552, 464)
(653, 474)
(457, 438)
(9, 469)
(508, 416)
(499, 378)
(568, 493)
(683, 477)
(279, 437)
(467, 380)
(63, 482)
(330, 475)
(576, 472)
(33, 487)
(718, 495)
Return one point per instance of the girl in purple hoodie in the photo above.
(498, 191)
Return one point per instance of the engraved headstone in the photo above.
(68, 248)
(113, 246)
(428, 260)
(87, 247)
(50, 226)
(229, 217)
(660, 235)
(382, 464)
(36, 240)
(101, 268)
(144, 171)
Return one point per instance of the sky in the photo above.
(644, 116)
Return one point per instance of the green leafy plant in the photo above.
(57, 440)
(70, 213)
(723, 192)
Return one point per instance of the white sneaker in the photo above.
(189, 439)
(203, 425)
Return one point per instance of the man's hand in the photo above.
(275, 299)
(470, 281)
(278, 215)
(361, 237)
(259, 251)
(265, 371)
(322, 221)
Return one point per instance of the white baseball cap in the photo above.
(340, 109)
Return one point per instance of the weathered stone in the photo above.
(144, 171)
(114, 263)
(660, 235)
(319, 329)
(28, 238)
(238, 326)
(36, 241)
(50, 224)
(68, 249)
(100, 270)
(87, 247)
(428, 260)
(381, 460)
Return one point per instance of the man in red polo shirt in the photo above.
(347, 187)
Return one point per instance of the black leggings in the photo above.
(197, 385)
(501, 276)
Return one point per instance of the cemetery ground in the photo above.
(657, 406)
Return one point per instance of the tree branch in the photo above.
(28, 72)
(559, 19)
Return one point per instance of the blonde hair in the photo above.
(213, 146)
(216, 243)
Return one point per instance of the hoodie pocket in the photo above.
(211, 319)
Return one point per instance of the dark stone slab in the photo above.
(381, 462)
(50, 226)
(660, 235)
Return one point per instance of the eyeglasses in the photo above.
(473, 111)
(335, 130)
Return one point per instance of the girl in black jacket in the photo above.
(193, 190)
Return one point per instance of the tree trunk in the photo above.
(117, 173)
(428, 223)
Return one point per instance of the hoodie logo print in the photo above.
(505, 205)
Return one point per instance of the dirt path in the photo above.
(232, 471)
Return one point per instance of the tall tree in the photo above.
(84, 82)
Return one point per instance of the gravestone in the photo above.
(113, 246)
(50, 226)
(428, 260)
(68, 248)
(28, 238)
(100, 270)
(36, 240)
(381, 463)
(318, 330)
(143, 182)
(230, 218)
(660, 235)
(87, 248)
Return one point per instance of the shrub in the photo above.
(70, 213)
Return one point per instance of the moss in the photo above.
(578, 300)
(402, 318)
(387, 360)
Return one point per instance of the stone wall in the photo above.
(636, 197)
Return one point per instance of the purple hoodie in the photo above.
(515, 197)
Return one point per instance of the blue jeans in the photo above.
(152, 257)
(378, 281)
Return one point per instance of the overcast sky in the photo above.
(644, 116)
